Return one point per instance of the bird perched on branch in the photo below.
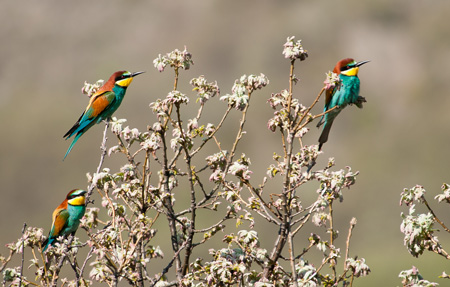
(339, 96)
(103, 103)
(66, 217)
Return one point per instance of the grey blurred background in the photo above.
(401, 137)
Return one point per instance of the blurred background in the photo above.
(400, 138)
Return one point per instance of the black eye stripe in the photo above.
(348, 67)
(72, 196)
(123, 76)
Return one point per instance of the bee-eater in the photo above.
(346, 92)
(103, 103)
(66, 217)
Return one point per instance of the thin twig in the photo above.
(227, 216)
(292, 259)
(439, 250)
(343, 275)
(434, 215)
(325, 261)
(308, 109)
(74, 268)
(306, 218)
(130, 157)
(169, 112)
(311, 244)
(168, 204)
(331, 229)
(167, 268)
(191, 176)
(330, 208)
(265, 204)
(347, 249)
(291, 81)
(100, 164)
(285, 211)
(213, 133)
(23, 253)
(317, 116)
(61, 262)
(6, 261)
(239, 134)
(89, 255)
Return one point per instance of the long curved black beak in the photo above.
(361, 63)
(137, 73)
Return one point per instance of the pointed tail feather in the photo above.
(71, 131)
(324, 136)
(74, 129)
(71, 145)
(47, 243)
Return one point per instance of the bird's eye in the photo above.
(121, 77)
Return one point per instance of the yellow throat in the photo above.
(125, 82)
(351, 72)
(79, 200)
